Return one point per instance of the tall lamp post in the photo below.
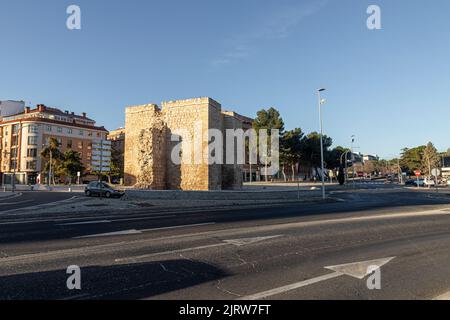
(353, 161)
(321, 102)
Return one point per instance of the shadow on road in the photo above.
(129, 281)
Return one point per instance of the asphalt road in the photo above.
(31, 198)
(264, 253)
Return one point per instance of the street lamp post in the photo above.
(321, 102)
(353, 161)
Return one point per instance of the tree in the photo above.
(51, 151)
(268, 120)
(333, 157)
(71, 164)
(311, 149)
(290, 150)
(117, 164)
(430, 159)
(412, 158)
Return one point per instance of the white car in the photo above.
(429, 182)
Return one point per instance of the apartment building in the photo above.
(446, 167)
(23, 135)
(10, 107)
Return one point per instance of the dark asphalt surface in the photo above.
(201, 255)
(31, 198)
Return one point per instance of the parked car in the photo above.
(429, 182)
(96, 189)
(413, 182)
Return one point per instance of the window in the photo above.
(15, 140)
(59, 129)
(13, 164)
(33, 128)
(31, 165)
(90, 134)
(69, 144)
(80, 144)
(48, 128)
(15, 129)
(81, 132)
(32, 153)
(13, 153)
(32, 141)
(69, 131)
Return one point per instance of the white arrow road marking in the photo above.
(359, 270)
(445, 296)
(355, 270)
(110, 234)
(246, 241)
(235, 242)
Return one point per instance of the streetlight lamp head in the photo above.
(321, 89)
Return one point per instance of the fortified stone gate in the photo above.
(149, 146)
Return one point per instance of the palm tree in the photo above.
(53, 156)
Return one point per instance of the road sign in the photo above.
(418, 173)
(436, 172)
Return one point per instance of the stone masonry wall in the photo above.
(145, 149)
(148, 146)
(231, 173)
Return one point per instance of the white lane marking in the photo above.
(11, 197)
(87, 219)
(445, 296)
(110, 234)
(290, 287)
(357, 270)
(178, 227)
(39, 206)
(235, 242)
(164, 253)
(84, 222)
(134, 231)
(79, 296)
(13, 203)
(144, 218)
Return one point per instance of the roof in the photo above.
(63, 123)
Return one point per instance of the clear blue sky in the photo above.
(391, 88)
